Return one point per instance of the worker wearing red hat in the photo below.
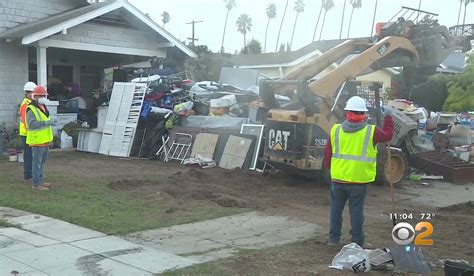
(39, 135)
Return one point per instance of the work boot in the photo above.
(40, 188)
(47, 185)
(332, 244)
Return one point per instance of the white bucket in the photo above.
(13, 158)
(20, 157)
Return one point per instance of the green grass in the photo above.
(4, 223)
(89, 202)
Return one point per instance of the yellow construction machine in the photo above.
(297, 132)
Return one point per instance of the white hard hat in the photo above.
(29, 86)
(356, 103)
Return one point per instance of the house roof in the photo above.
(32, 32)
(34, 27)
(284, 58)
(454, 64)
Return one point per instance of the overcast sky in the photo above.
(212, 13)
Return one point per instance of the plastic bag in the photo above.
(66, 140)
(352, 257)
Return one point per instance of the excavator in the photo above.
(297, 132)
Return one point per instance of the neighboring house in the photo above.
(72, 40)
(383, 76)
(276, 65)
(453, 64)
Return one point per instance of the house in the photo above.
(71, 40)
(453, 64)
(276, 65)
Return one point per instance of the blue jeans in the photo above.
(39, 159)
(27, 158)
(339, 194)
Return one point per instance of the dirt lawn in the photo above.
(192, 194)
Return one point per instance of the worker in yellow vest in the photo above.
(28, 88)
(39, 135)
(351, 156)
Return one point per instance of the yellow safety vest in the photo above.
(354, 156)
(23, 129)
(40, 136)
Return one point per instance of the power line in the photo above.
(192, 34)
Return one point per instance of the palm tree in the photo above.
(342, 18)
(319, 16)
(373, 20)
(328, 4)
(356, 4)
(299, 8)
(281, 25)
(165, 18)
(459, 12)
(229, 4)
(271, 13)
(244, 25)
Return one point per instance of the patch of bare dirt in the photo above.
(130, 184)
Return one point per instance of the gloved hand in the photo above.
(387, 110)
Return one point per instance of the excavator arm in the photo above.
(327, 85)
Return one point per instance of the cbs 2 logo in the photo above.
(403, 233)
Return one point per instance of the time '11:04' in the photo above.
(401, 216)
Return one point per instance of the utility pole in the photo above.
(192, 35)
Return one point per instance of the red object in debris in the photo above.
(187, 82)
(378, 28)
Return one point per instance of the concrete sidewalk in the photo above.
(47, 246)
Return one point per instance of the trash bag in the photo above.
(66, 140)
(352, 257)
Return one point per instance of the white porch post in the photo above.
(41, 66)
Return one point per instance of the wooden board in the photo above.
(235, 152)
(205, 145)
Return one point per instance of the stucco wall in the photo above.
(378, 76)
(15, 12)
(13, 75)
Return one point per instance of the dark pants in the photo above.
(27, 158)
(39, 159)
(339, 194)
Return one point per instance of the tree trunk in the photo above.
(322, 25)
(465, 9)
(459, 12)
(350, 22)
(245, 42)
(373, 20)
(266, 31)
(293, 33)
(281, 25)
(342, 19)
(317, 22)
(223, 33)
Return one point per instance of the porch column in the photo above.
(41, 66)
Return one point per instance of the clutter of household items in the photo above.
(204, 124)
(397, 259)
(439, 143)
(207, 124)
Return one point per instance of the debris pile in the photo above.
(437, 142)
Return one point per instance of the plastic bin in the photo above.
(402, 125)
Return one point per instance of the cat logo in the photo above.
(278, 139)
